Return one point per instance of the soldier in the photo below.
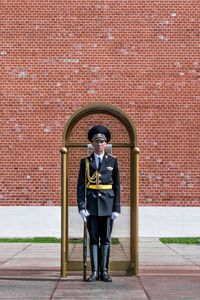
(99, 179)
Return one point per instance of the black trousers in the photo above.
(99, 229)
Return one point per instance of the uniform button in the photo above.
(99, 194)
(99, 175)
(99, 181)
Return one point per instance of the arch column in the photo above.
(64, 211)
(134, 217)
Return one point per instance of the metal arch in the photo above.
(95, 108)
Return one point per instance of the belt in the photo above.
(100, 187)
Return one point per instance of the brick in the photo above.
(142, 56)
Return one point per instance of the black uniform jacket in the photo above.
(100, 202)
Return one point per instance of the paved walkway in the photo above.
(31, 271)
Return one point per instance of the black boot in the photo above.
(94, 263)
(105, 252)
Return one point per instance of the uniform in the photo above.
(102, 187)
(100, 202)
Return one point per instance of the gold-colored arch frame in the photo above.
(95, 108)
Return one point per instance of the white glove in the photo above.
(84, 214)
(114, 215)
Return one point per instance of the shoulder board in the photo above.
(111, 155)
(86, 157)
(89, 157)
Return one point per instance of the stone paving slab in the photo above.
(152, 244)
(187, 251)
(156, 251)
(38, 254)
(149, 239)
(12, 246)
(120, 288)
(144, 287)
(32, 271)
(164, 260)
(170, 270)
(34, 262)
(28, 274)
(195, 261)
(186, 246)
(172, 287)
(27, 289)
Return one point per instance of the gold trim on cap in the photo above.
(99, 136)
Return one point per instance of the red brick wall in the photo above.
(142, 56)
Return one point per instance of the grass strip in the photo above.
(180, 240)
(46, 240)
(30, 240)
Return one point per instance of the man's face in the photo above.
(99, 146)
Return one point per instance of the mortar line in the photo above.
(55, 288)
(146, 293)
(182, 255)
(16, 254)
